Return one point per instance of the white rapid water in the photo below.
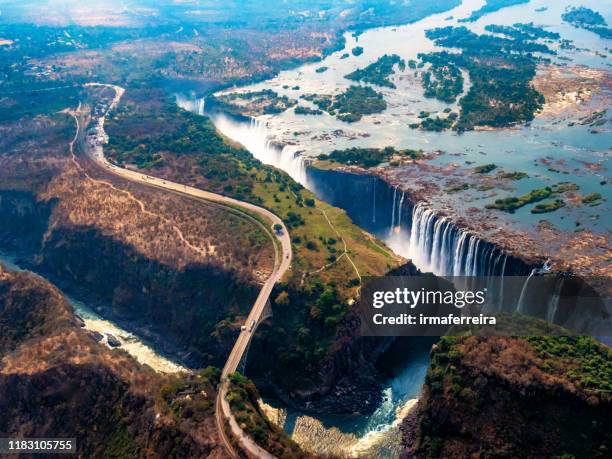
(553, 304)
(128, 341)
(254, 137)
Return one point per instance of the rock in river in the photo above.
(112, 340)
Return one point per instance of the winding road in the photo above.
(283, 256)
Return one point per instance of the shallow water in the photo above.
(518, 149)
(377, 435)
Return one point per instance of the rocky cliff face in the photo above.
(511, 397)
(57, 381)
(342, 379)
(179, 270)
(194, 305)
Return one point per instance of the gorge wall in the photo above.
(57, 381)
(431, 241)
(195, 305)
(513, 397)
(172, 267)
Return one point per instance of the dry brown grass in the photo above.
(164, 227)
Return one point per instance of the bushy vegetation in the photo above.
(549, 206)
(352, 104)
(581, 359)
(264, 102)
(592, 199)
(357, 51)
(306, 321)
(28, 309)
(458, 188)
(485, 168)
(513, 203)
(513, 175)
(368, 157)
(144, 140)
(36, 100)
(243, 398)
(301, 110)
(535, 396)
(588, 19)
(192, 397)
(500, 69)
(443, 80)
(357, 101)
(491, 6)
(378, 73)
(436, 124)
(523, 32)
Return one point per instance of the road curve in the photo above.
(281, 265)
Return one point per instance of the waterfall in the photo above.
(255, 137)
(435, 244)
(551, 310)
(200, 106)
(520, 307)
(393, 212)
(432, 242)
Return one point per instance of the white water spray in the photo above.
(255, 137)
(435, 244)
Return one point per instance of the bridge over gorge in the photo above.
(267, 220)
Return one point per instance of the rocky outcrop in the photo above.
(193, 306)
(56, 381)
(511, 397)
(343, 380)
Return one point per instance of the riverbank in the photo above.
(142, 349)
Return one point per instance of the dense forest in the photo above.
(500, 70)
(491, 6)
(350, 105)
(368, 157)
(443, 79)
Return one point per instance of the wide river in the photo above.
(548, 149)
(524, 149)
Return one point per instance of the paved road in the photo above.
(281, 265)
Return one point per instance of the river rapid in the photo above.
(129, 342)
